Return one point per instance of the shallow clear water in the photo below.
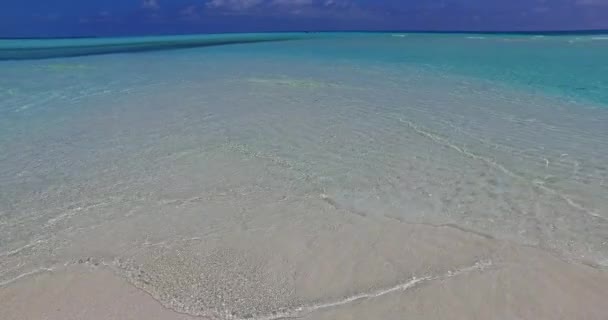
(114, 156)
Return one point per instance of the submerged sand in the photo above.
(144, 188)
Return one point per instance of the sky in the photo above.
(58, 18)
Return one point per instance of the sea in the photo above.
(221, 157)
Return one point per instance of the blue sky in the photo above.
(19, 18)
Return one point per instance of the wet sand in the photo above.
(80, 293)
(388, 271)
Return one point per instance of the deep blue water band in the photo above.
(25, 49)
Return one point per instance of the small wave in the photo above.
(17, 250)
(301, 311)
(476, 37)
(26, 274)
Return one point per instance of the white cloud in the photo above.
(336, 3)
(337, 10)
(236, 5)
(292, 2)
(189, 10)
(190, 13)
(243, 5)
(592, 2)
(150, 4)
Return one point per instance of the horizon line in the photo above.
(513, 32)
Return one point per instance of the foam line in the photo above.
(306, 309)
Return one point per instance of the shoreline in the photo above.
(93, 290)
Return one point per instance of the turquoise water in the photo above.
(570, 65)
(129, 157)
